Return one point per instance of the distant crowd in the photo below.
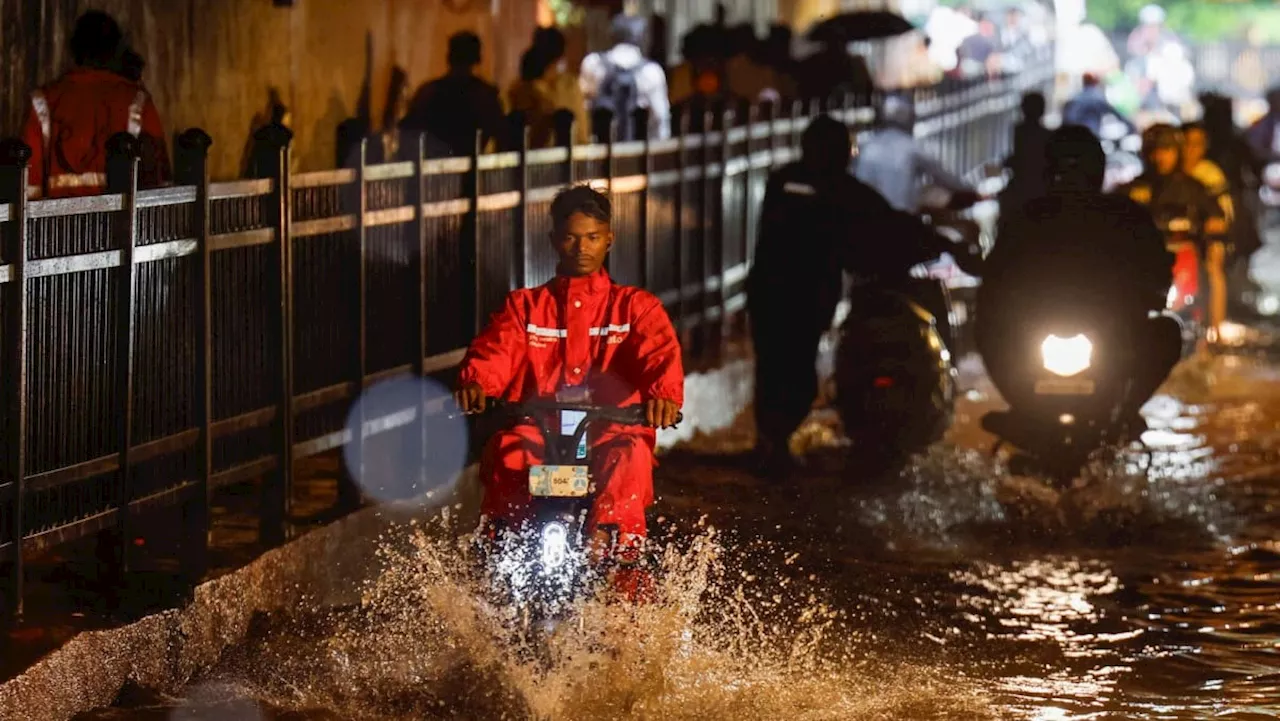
(625, 92)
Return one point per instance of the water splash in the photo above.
(718, 643)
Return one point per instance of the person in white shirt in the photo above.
(622, 79)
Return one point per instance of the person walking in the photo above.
(70, 120)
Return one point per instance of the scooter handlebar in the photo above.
(629, 415)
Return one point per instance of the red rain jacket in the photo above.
(69, 122)
(616, 339)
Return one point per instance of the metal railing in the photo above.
(161, 344)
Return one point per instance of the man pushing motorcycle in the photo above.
(579, 339)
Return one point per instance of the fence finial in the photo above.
(14, 152)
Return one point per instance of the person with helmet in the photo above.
(1103, 249)
(891, 161)
(69, 120)
(1169, 193)
(816, 221)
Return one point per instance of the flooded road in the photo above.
(954, 591)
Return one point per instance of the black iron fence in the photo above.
(162, 344)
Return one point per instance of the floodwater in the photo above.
(952, 592)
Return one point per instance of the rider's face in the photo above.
(1164, 160)
(582, 243)
(1194, 149)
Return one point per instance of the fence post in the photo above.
(471, 237)
(646, 241)
(520, 256)
(349, 495)
(192, 168)
(271, 160)
(748, 214)
(417, 197)
(706, 237)
(608, 175)
(681, 303)
(720, 252)
(14, 156)
(123, 154)
(797, 114)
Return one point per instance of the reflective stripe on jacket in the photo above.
(69, 122)
(615, 339)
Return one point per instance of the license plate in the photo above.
(1065, 387)
(558, 481)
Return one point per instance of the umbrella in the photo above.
(859, 26)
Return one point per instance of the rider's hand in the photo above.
(661, 413)
(471, 398)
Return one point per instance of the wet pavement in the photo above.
(953, 591)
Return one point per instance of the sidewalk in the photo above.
(64, 592)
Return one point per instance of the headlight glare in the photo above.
(1066, 356)
(555, 545)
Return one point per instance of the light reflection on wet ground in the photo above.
(952, 592)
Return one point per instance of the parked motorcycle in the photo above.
(543, 565)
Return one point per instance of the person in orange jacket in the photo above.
(581, 334)
(69, 120)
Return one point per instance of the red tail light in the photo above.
(883, 382)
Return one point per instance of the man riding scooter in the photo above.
(1170, 194)
(1085, 259)
(580, 338)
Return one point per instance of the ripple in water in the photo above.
(719, 643)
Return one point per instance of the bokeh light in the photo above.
(415, 445)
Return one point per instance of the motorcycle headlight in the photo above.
(1172, 298)
(555, 545)
(1066, 356)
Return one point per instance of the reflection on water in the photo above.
(955, 592)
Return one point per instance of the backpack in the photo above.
(620, 96)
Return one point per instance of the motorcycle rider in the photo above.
(816, 219)
(579, 338)
(1170, 193)
(1090, 107)
(1104, 248)
(891, 161)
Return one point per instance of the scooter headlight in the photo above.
(555, 545)
(1172, 298)
(1066, 356)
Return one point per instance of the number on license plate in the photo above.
(558, 481)
(1065, 387)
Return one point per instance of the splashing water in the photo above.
(719, 642)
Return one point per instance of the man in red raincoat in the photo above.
(69, 120)
(579, 334)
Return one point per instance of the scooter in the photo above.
(1066, 373)
(542, 565)
(1185, 298)
(895, 382)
